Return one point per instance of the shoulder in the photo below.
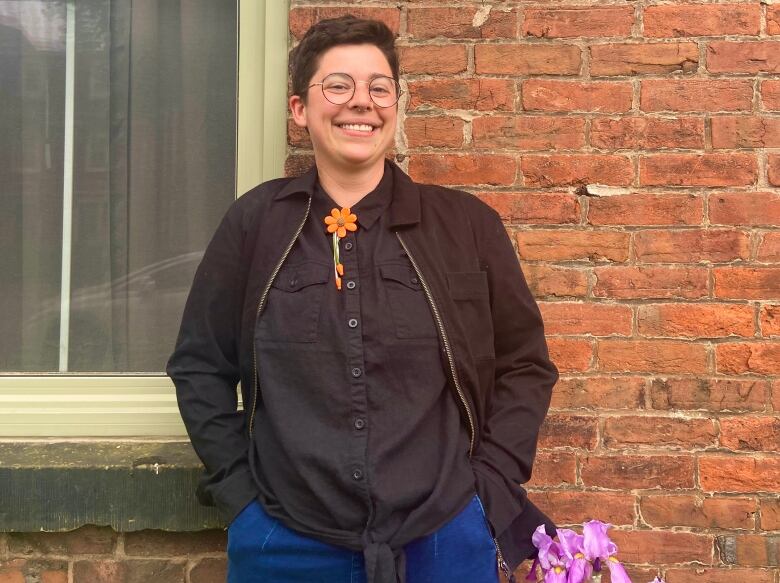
(461, 206)
(252, 204)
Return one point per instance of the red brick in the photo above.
(570, 354)
(701, 20)
(770, 513)
(160, 543)
(657, 547)
(750, 433)
(762, 283)
(436, 131)
(10, 571)
(534, 208)
(743, 57)
(618, 392)
(638, 59)
(560, 430)
(433, 59)
(647, 133)
(776, 395)
(588, 21)
(54, 576)
(707, 394)
(769, 248)
(646, 209)
(577, 507)
(758, 551)
(625, 472)
(297, 164)
(301, 19)
(745, 208)
(695, 320)
(691, 511)
(569, 245)
(770, 94)
(586, 318)
(470, 94)
(748, 357)
(555, 95)
(461, 22)
(575, 169)
(705, 95)
(130, 571)
(651, 356)
(553, 468)
(731, 132)
(698, 170)
(650, 282)
(722, 473)
(209, 571)
(773, 19)
(553, 281)
(93, 540)
(715, 575)
(769, 320)
(691, 246)
(632, 431)
(773, 169)
(525, 59)
(529, 132)
(469, 169)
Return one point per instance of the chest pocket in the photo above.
(292, 310)
(470, 292)
(408, 303)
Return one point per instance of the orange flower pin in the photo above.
(341, 221)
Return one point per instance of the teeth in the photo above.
(360, 127)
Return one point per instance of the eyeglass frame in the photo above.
(400, 91)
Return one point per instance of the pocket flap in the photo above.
(403, 274)
(297, 277)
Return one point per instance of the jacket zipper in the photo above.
(260, 306)
(448, 349)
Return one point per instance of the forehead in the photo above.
(359, 61)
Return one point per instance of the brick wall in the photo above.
(633, 149)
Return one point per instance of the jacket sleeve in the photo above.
(518, 404)
(205, 369)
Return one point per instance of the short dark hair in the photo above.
(332, 32)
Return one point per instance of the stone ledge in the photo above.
(126, 485)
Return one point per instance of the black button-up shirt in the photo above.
(357, 430)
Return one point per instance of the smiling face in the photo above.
(357, 134)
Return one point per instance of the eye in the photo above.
(380, 91)
(338, 87)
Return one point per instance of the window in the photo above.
(122, 147)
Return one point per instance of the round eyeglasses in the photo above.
(338, 88)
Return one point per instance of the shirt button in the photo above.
(352, 323)
(360, 423)
(293, 282)
(351, 285)
(348, 245)
(415, 280)
(356, 372)
(357, 474)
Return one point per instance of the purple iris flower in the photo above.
(551, 556)
(657, 580)
(598, 546)
(579, 568)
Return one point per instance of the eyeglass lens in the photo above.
(339, 88)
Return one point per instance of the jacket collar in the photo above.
(404, 208)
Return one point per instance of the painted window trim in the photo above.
(51, 405)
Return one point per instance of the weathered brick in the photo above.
(577, 507)
(743, 57)
(748, 358)
(93, 540)
(744, 474)
(757, 550)
(435, 131)
(651, 356)
(576, 169)
(691, 246)
(554, 281)
(750, 433)
(650, 282)
(461, 22)
(701, 20)
(773, 19)
(769, 248)
(659, 547)
(468, 169)
(637, 59)
(770, 94)
(591, 21)
(470, 94)
(695, 320)
(715, 575)
(770, 513)
(773, 169)
(560, 430)
(745, 208)
(646, 209)
(553, 468)
(570, 354)
(569, 244)
(597, 96)
(586, 318)
(776, 395)
(708, 95)
(433, 59)
(158, 543)
(733, 169)
(635, 431)
(694, 512)
(301, 18)
(731, 132)
(769, 320)
(41, 570)
(708, 394)
(129, 571)
(625, 472)
(534, 208)
(529, 132)
(297, 164)
(209, 571)
(760, 283)
(525, 59)
(647, 133)
(620, 392)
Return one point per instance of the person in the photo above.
(393, 367)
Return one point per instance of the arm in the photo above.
(205, 369)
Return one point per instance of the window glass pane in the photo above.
(152, 122)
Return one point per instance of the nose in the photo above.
(361, 98)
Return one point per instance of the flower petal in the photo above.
(617, 573)
(350, 227)
(342, 232)
(345, 212)
(596, 543)
(335, 213)
(340, 268)
(332, 228)
(351, 218)
(329, 220)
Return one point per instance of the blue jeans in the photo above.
(262, 549)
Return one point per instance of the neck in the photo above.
(347, 188)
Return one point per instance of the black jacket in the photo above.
(491, 332)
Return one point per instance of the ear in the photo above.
(298, 109)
